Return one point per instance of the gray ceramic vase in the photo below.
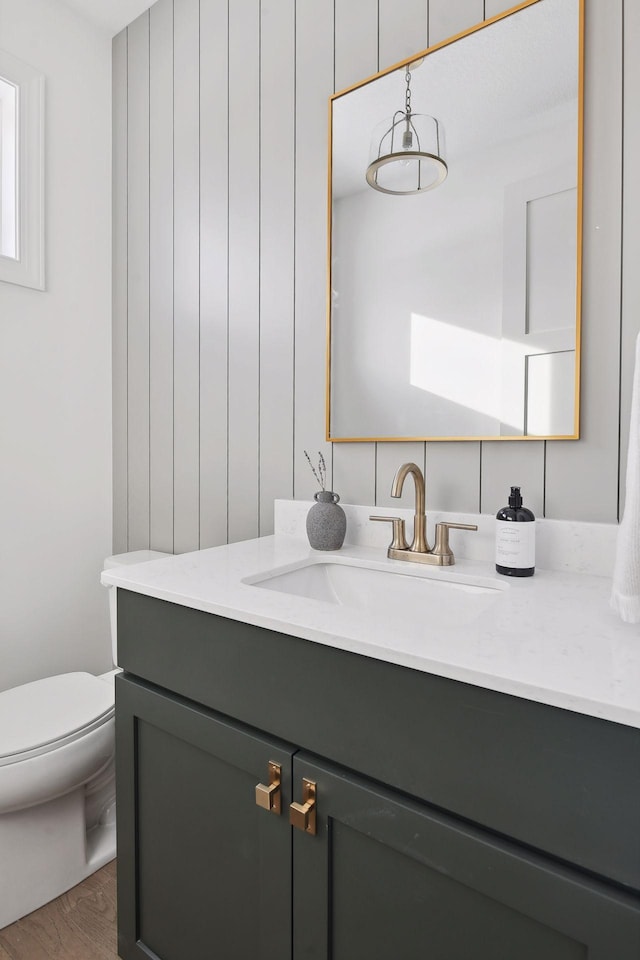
(326, 522)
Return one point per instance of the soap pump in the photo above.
(515, 538)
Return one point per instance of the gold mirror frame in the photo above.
(413, 59)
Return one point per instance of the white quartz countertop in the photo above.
(551, 638)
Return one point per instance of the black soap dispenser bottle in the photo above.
(515, 538)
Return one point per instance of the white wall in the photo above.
(55, 367)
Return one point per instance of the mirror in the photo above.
(21, 173)
(454, 312)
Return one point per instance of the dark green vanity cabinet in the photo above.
(202, 871)
(453, 822)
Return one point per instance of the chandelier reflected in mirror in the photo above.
(407, 152)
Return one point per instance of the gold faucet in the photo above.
(419, 551)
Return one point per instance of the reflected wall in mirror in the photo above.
(21, 173)
(454, 313)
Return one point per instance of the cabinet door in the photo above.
(388, 877)
(203, 872)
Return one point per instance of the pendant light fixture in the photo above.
(406, 154)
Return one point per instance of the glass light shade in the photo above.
(406, 155)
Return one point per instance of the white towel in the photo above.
(625, 596)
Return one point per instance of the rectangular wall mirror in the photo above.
(455, 209)
(21, 173)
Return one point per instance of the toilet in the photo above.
(57, 783)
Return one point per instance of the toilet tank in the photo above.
(122, 560)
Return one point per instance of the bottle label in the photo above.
(515, 544)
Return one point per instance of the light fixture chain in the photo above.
(407, 108)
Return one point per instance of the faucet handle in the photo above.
(399, 541)
(441, 547)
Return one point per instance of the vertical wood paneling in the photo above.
(214, 198)
(277, 169)
(356, 57)
(506, 465)
(138, 284)
(354, 472)
(503, 460)
(631, 228)
(493, 7)
(161, 275)
(453, 469)
(400, 37)
(244, 266)
(264, 242)
(314, 83)
(452, 475)
(447, 18)
(356, 41)
(582, 477)
(186, 258)
(119, 341)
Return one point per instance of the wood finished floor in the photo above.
(79, 925)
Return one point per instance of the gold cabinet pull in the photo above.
(268, 795)
(302, 816)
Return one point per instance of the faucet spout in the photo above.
(419, 544)
(419, 551)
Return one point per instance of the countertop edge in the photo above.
(140, 580)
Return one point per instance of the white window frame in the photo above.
(27, 268)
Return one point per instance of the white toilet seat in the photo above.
(47, 714)
(57, 779)
(55, 734)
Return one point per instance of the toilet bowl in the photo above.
(57, 784)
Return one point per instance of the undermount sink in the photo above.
(420, 596)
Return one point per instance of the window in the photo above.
(8, 172)
(21, 173)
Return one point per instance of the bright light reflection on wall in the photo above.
(457, 364)
(550, 393)
(487, 374)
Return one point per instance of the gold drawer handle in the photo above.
(268, 796)
(302, 816)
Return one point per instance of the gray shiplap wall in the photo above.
(220, 165)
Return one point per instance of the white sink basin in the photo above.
(419, 595)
